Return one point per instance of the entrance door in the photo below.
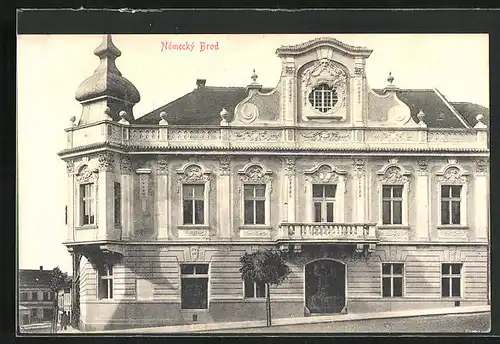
(325, 286)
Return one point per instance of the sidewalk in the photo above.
(201, 328)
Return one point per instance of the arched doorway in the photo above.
(325, 286)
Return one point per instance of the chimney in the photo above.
(200, 83)
(41, 267)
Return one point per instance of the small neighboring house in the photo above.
(64, 300)
(36, 300)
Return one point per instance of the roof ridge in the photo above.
(452, 108)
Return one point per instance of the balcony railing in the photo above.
(141, 136)
(325, 232)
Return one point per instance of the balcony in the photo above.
(327, 233)
(153, 137)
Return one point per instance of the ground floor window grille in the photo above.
(392, 279)
(255, 289)
(451, 277)
(194, 286)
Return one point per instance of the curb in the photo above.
(202, 328)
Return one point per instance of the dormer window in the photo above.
(323, 98)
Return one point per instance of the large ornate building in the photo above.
(378, 199)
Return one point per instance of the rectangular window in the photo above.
(255, 203)
(45, 296)
(392, 279)
(451, 275)
(24, 296)
(450, 204)
(324, 202)
(392, 204)
(105, 277)
(48, 314)
(194, 286)
(118, 204)
(254, 289)
(193, 196)
(87, 204)
(34, 295)
(34, 315)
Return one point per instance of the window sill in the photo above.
(117, 227)
(255, 227)
(464, 227)
(334, 117)
(86, 227)
(255, 299)
(193, 227)
(186, 310)
(393, 227)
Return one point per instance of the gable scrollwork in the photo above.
(255, 173)
(326, 72)
(106, 161)
(162, 166)
(86, 175)
(326, 174)
(192, 173)
(452, 175)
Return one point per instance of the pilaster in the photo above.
(105, 199)
(357, 85)
(71, 201)
(290, 168)
(422, 199)
(225, 198)
(289, 93)
(162, 192)
(360, 190)
(481, 197)
(127, 196)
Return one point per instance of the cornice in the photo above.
(302, 47)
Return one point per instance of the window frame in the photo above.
(450, 278)
(193, 200)
(326, 174)
(108, 277)
(88, 200)
(323, 89)
(453, 175)
(86, 175)
(248, 177)
(391, 275)
(388, 178)
(254, 297)
(254, 198)
(194, 174)
(392, 199)
(197, 276)
(324, 201)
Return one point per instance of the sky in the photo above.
(50, 68)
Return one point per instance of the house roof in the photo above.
(34, 277)
(203, 105)
(469, 111)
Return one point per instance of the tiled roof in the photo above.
(202, 106)
(34, 277)
(469, 111)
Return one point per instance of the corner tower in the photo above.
(106, 93)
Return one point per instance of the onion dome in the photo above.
(107, 80)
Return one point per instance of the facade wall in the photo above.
(161, 304)
(158, 215)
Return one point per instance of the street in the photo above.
(440, 323)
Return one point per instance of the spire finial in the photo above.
(163, 120)
(421, 116)
(390, 78)
(254, 76)
(480, 124)
(107, 48)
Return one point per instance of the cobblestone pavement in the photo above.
(440, 323)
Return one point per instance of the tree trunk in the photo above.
(55, 315)
(268, 305)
